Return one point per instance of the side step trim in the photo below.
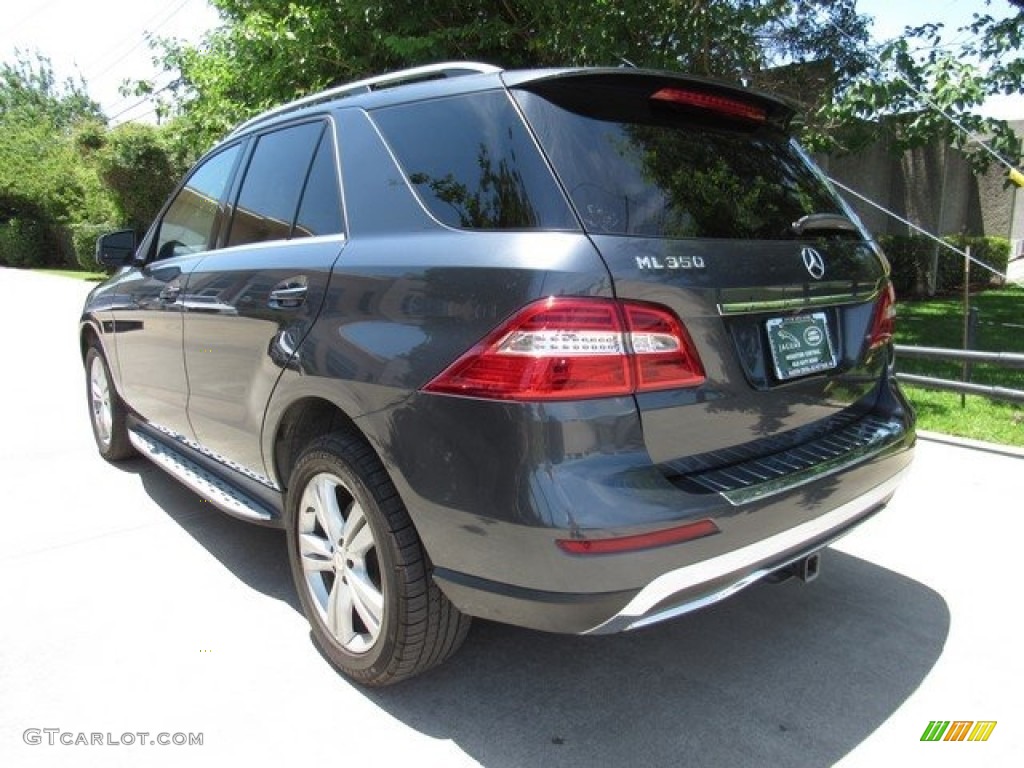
(213, 489)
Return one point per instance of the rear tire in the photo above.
(107, 412)
(359, 567)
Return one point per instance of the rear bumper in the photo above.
(695, 586)
(491, 520)
(672, 594)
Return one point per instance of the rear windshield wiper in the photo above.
(823, 222)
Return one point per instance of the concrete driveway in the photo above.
(128, 606)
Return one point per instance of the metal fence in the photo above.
(967, 356)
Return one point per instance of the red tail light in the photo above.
(576, 349)
(723, 105)
(664, 353)
(884, 322)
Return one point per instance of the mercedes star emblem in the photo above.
(814, 262)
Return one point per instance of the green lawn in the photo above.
(92, 277)
(938, 323)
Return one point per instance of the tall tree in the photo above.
(45, 189)
(29, 89)
(266, 52)
(930, 83)
(815, 51)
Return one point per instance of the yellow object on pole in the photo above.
(1017, 177)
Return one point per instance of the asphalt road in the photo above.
(128, 606)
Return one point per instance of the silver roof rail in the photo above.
(428, 72)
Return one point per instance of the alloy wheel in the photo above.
(339, 558)
(100, 406)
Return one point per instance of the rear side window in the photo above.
(658, 173)
(320, 209)
(273, 184)
(474, 164)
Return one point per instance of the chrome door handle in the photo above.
(287, 298)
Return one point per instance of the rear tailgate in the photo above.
(690, 191)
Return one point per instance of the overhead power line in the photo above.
(141, 101)
(125, 99)
(146, 34)
(30, 15)
(922, 230)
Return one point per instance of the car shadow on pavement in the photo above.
(791, 674)
(255, 554)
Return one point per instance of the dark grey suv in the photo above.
(578, 350)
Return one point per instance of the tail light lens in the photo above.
(884, 322)
(574, 349)
(664, 354)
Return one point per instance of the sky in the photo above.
(103, 40)
(891, 17)
(106, 40)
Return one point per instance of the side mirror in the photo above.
(115, 249)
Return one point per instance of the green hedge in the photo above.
(83, 237)
(29, 243)
(26, 243)
(911, 259)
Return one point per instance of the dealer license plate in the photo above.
(801, 345)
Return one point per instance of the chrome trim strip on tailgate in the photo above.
(748, 564)
(799, 297)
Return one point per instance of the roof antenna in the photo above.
(627, 63)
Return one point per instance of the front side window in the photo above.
(188, 225)
(473, 163)
(273, 184)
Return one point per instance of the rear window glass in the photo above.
(674, 177)
(473, 163)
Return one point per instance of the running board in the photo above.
(213, 489)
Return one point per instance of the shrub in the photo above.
(27, 243)
(83, 237)
(138, 172)
(994, 251)
(911, 260)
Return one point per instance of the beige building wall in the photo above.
(933, 187)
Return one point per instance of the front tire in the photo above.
(107, 412)
(360, 569)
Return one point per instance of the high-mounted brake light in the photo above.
(883, 324)
(564, 348)
(723, 105)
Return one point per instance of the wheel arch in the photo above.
(302, 422)
(88, 334)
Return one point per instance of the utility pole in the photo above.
(966, 369)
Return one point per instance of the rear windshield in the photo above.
(670, 175)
